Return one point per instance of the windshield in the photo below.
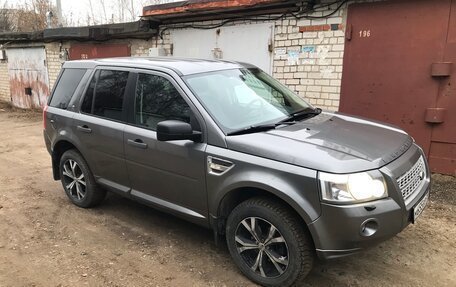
(242, 98)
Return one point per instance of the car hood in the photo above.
(328, 142)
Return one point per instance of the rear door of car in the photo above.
(169, 174)
(60, 110)
(99, 126)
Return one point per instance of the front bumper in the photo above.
(342, 230)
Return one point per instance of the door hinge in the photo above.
(349, 32)
(441, 69)
(435, 115)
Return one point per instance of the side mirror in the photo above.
(172, 130)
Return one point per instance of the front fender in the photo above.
(295, 185)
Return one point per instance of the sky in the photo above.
(83, 12)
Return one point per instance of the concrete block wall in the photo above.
(4, 82)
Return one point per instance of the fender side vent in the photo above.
(217, 166)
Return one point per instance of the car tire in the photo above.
(78, 181)
(286, 248)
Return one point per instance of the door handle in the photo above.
(137, 143)
(52, 122)
(84, 129)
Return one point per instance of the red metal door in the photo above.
(389, 54)
(442, 156)
(93, 51)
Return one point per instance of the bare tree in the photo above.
(103, 6)
(31, 16)
(108, 11)
(5, 21)
(5, 24)
(93, 15)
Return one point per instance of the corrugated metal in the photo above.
(29, 81)
(393, 71)
(93, 51)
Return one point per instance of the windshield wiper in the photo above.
(257, 128)
(302, 114)
(291, 119)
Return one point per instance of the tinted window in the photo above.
(157, 100)
(108, 88)
(66, 86)
(86, 106)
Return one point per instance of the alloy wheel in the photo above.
(262, 247)
(74, 179)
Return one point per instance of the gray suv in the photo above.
(224, 145)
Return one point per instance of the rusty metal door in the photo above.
(93, 51)
(393, 65)
(28, 76)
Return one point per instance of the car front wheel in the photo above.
(269, 243)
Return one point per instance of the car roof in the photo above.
(182, 66)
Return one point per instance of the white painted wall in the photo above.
(245, 43)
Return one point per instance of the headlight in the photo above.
(352, 188)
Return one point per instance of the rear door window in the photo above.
(65, 88)
(87, 103)
(105, 94)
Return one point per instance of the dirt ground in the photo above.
(47, 241)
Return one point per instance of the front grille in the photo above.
(412, 179)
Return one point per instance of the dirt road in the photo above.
(47, 241)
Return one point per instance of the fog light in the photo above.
(368, 227)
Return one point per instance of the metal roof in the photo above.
(138, 29)
(200, 10)
(182, 66)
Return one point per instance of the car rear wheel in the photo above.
(78, 181)
(269, 243)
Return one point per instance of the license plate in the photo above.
(419, 207)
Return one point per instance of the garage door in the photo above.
(94, 51)
(244, 43)
(397, 69)
(28, 76)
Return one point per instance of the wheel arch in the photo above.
(59, 148)
(240, 194)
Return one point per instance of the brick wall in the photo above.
(53, 61)
(138, 48)
(141, 47)
(4, 82)
(308, 56)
